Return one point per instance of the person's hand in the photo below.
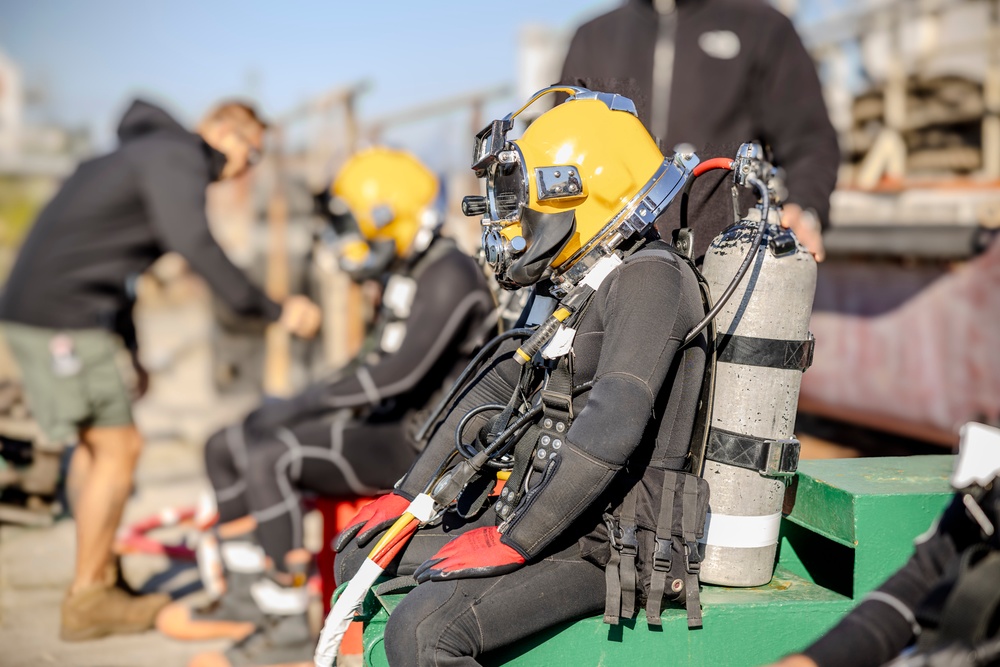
(477, 553)
(371, 520)
(301, 316)
(796, 660)
(806, 226)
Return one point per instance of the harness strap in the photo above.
(620, 573)
(612, 580)
(662, 551)
(692, 551)
(769, 457)
(791, 355)
(629, 549)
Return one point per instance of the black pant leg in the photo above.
(332, 456)
(451, 624)
(225, 464)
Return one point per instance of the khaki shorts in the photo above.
(71, 378)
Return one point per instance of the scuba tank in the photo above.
(763, 345)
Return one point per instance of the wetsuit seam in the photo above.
(409, 381)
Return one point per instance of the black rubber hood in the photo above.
(546, 235)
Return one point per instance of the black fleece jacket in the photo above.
(766, 91)
(116, 215)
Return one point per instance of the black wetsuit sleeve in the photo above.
(647, 310)
(877, 630)
(173, 177)
(794, 120)
(447, 299)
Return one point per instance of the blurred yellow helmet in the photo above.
(583, 178)
(394, 203)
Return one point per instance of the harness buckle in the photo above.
(557, 401)
(692, 557)
(663, 554)
(622, 539)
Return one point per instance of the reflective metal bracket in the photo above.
(561, 182)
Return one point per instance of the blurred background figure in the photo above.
(714, 74)
(67, 307)
(350, 435)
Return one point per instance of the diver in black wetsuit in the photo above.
(941, 609)
(577, 527)
(351, 435)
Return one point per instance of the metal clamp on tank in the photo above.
(782, 457)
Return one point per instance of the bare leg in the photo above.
(79, 470)
(114, 452)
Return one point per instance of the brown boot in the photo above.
(103, 610)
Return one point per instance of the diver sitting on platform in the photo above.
(350, 435)
(589, 421)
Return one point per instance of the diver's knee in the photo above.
(433, 621)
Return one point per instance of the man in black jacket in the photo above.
(67, 309)
(718, 72)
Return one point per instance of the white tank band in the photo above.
(742, 532)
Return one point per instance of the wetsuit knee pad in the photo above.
(263, 455)
(433, 620)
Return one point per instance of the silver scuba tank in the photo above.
(763, 347)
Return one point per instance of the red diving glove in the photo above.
(477, 553)
(372, 520)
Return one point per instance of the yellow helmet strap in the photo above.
(545, 234)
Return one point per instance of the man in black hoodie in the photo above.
(67, 308)
(713, 73)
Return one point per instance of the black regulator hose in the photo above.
(471, 369)
(744, 267)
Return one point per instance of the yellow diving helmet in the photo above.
(385, 204)
(582, 179)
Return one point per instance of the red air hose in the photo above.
(714, 163)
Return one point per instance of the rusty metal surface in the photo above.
(911, 349)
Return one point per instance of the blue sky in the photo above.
(91, 57)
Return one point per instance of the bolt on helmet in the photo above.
(583, 178)
(385, 204)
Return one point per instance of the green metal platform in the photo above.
(849, 524)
